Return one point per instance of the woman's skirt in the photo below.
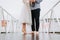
(25, 16)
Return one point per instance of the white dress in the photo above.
(25, 16)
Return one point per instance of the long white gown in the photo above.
(25, 16)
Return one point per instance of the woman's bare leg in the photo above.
(24, 28)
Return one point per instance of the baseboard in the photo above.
(3, 32)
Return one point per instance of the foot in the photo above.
(37, 33)
(32, 32)
(24, 31)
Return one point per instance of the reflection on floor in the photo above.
(19, 36)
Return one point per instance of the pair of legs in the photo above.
(35, 19)
(35, 16)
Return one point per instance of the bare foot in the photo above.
(37, 33)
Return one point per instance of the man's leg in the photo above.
(32, 14)
(37, 14)
(37, 24)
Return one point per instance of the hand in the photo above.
(32, 1)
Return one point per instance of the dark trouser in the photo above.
(35, 19)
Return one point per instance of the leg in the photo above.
(32, 27)
(37, 24)
(37, 19)
(24, 28)
(37, 14)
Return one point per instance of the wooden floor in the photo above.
(40, 36)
